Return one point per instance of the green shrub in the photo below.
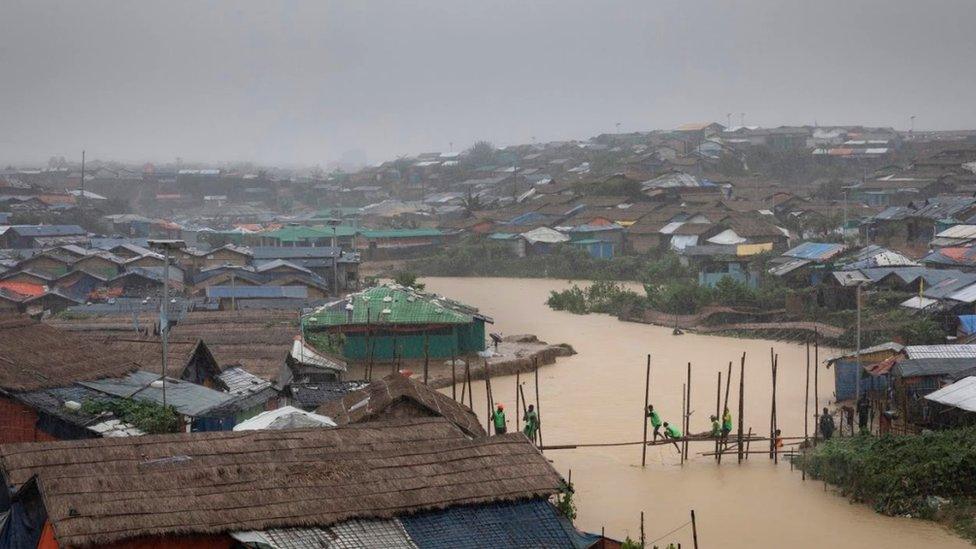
(897, 473)
(145, 415)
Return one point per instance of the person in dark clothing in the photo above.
(827, 424)
(863, 412)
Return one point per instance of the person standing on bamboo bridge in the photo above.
(673, 433)
(531, 419)
(655, 420)
(498, 418)
(716, 428)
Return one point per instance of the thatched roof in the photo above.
(149, 352)
(100, 491)
(36, 356)
(258, 340)
(376, 399)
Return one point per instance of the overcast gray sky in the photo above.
(305, 82)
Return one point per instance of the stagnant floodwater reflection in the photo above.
(597, 396)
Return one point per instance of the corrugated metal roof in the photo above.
(258, 292)
(815, 251)
(918, 303)
(940, 351)
(240, 382)
(401, 233)
(959, 231)
(961, 394)
(308, 356)
(850, 278)
(930, 367)
(965, 295)
(788, 267)
(391, 304)
(188, 398)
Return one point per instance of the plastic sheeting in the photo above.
(523, 524)
(25, 519)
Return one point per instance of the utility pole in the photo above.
(857, 353)
(334, 222)
(81, 199)
(166, 246)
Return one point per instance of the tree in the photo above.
(471, 202)
(408, 279)
(482, 153)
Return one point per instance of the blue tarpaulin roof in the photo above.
(815, 251)
(967, 323)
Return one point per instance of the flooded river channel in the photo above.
(597, 396)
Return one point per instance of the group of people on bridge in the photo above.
(530, 418)
(720, 430)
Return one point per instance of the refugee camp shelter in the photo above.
(955, 403)
(220, 488)
(846, 368)
(392, 321)
(399, 396)
(37, 359)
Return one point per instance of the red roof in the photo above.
(23, 288)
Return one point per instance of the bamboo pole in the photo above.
(426, 358)
(694, 530)
(748, 444)
(524, 409)
(644, 418)
(684, 407)
(488, 395)
(467, 374)
(775, 422)
(772, 401)
(742, 379)
(518, 408)
(728, 383)
(718, 404)
(688, 412)
(538, 402)
(453, 378)
(816, 385)
(806, 407)
(642, 530)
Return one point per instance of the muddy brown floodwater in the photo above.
(597, 396)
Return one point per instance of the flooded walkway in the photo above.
(597, 396)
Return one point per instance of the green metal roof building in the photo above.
(390, 321)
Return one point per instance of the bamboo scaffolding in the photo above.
(742, 379)
(644, 418)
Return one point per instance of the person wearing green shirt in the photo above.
(716, 428)
(531, 419)
(726, 422)
(672, 432)
(498, 419)
(655, 420)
